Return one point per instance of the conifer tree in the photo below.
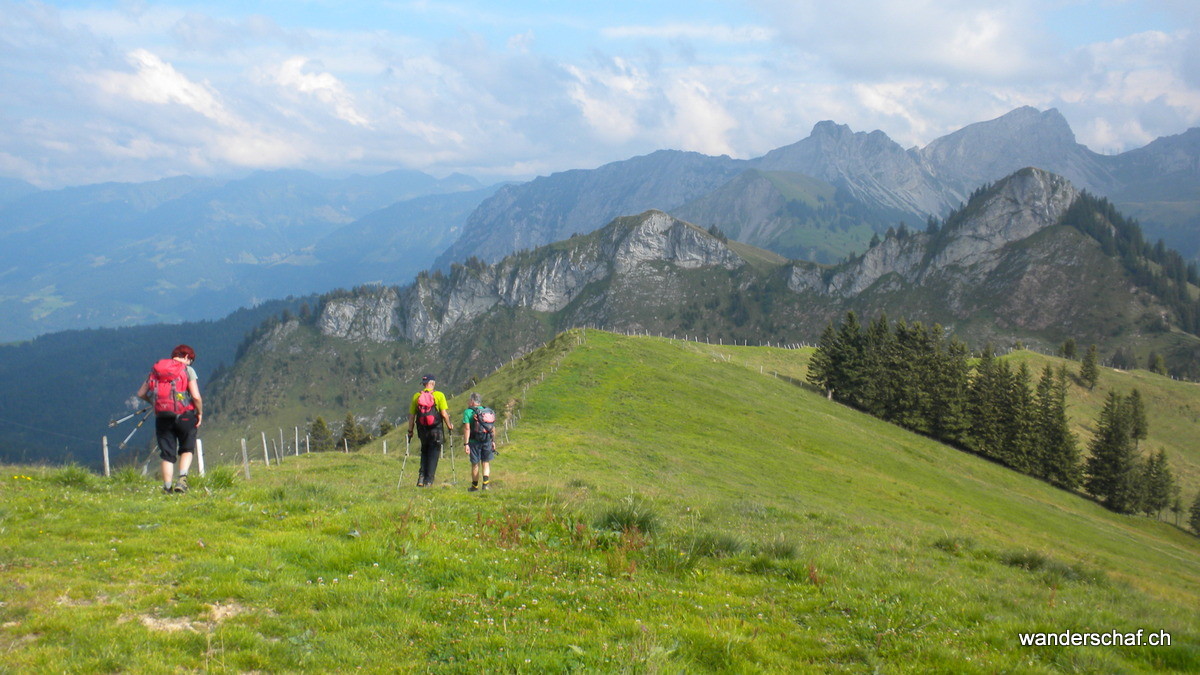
(1157, 483)
(1089, 372)
(1068, 349)
(948, 376)
(1018, 418)
(353, 433)
(822, 366)
(1194, 516)
(984, 406)
(320, 436)
(1112, 468)
(1057, 450)
(879, 370)
(849, 372)
(1139, 427)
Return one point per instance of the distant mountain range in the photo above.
(1029, 259)
(187, 249)
(874, 177)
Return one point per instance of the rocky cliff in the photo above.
(1011, 211)
(547, 280)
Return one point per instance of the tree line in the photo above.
(353, 434)
(922, 379)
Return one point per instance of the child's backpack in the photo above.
(483, 424)
(427, 412)
(169, 388)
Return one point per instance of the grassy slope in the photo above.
(791, 532)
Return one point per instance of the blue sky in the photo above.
(132, 91)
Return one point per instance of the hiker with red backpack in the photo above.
(172, 390)
(427, 413)
(479, 440)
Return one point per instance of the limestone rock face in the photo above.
(371, 317)
(1014, 210)
(545, 281)
(1029, 201)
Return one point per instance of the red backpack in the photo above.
(169, 388)
(427, 412)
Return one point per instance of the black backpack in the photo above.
(483, 424)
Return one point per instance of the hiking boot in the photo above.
(181, 485)
(473, 488)
(167, 489)
(485, 486)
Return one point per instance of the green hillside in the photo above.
(777, 531)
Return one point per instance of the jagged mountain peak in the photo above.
(987, 151)
(871, 166)
(1009, 211)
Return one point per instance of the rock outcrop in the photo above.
(1014, 209)
(546, 280)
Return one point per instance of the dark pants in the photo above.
(431, 451)
(176, 435)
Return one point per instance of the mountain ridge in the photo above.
(913, 185)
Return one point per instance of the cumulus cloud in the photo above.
(155, 81)
(880, 39)
(294, 74)
(140, 91)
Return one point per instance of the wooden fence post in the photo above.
(245, 460)
(104, 446)
(200, 455)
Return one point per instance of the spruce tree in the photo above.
(1019, 421)
(1194, 516)
(880, 370)
(320, 436)
(1112, 475)
(984, 402)
(1058, 451)
(1158, 484)
(353, 433)
(1139, 427)
(823, 365)
(1068, 349)
(949, 378)
(850, 371)
(1089, 371)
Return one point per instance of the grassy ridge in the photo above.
(777, 531)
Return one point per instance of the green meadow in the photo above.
(658, 506)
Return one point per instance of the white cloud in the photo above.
(609, 99)
(155, 81)
(674, 31)
(294, 74)
(881, 39)
(140, 91)
(699, 121)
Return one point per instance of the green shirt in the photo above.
(439, 400)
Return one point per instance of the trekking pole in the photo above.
(453, 466)
(135, 428)
(113, 423)
(404, 464)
